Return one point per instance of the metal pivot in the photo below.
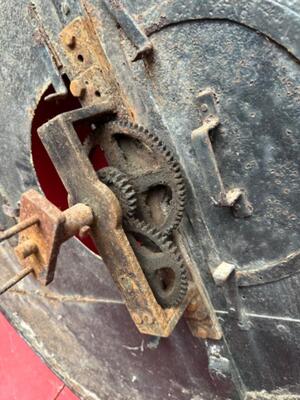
(235, 198)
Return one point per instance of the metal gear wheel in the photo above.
(122, 188)
(150, 167)
(161, 262)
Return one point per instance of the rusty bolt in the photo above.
(84, 231)
(192, 307)
(147, 318)
(137, 318)
(69, 40)
(77, 89)
(26, 249)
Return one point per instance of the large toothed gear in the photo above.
(122, 188)
(150, 167)
(161, 262)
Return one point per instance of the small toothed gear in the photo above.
(122, 188)
(161, 262)
(151, 168)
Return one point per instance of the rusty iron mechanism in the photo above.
(42, 229)
(132, 209)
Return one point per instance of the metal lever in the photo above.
(234, 198)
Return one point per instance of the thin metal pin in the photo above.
(17, 278)
(18, 228)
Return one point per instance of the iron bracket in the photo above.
(235, 198)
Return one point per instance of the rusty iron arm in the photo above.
(64, 148)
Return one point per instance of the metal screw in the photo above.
(69, 40)
(148, 319)
(192, 307)
(137, 318)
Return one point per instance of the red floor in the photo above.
(23, 376)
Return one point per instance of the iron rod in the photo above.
(18, 228)
(17, 278)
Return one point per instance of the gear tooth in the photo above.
(131, 196)
(169, 245)
(153, 232)
(162, 146)
(121, 183)
(168, 154)
(184, 289)
(126, 187)
(184, 275)
(132, 205)
(184, 283)
(184, 286)
(176, 167)
(180, 209)
(181, 198)
(139, 224)
(169, 158)
(178, 175)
